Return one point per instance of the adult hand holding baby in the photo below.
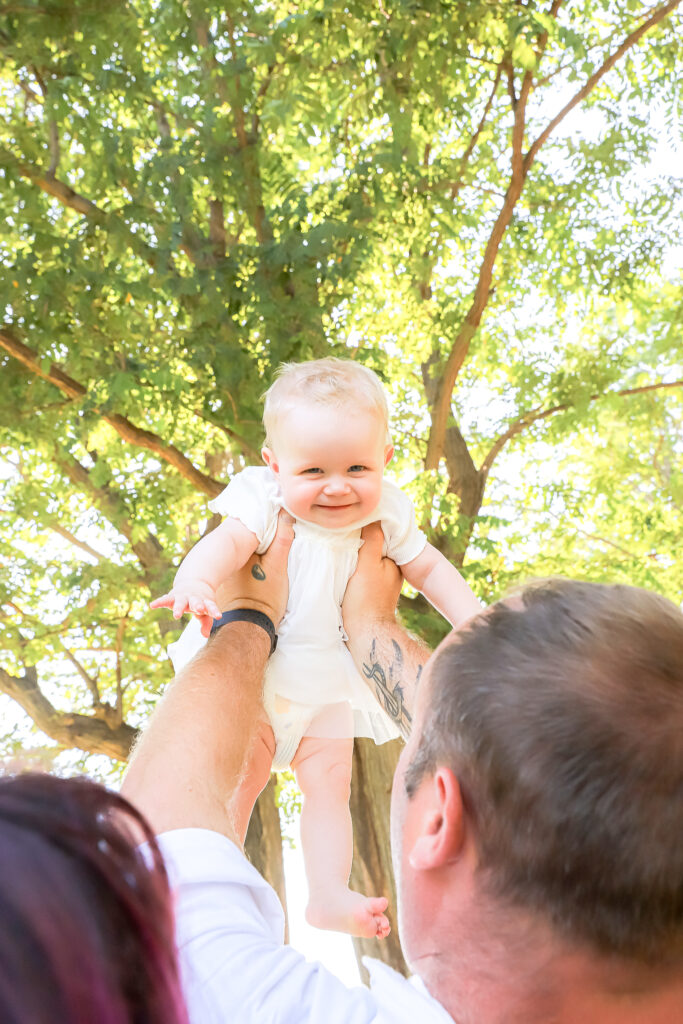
(231, 546)
(262, 583)
(380, 647)
(373, 590)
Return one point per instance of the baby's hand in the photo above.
(194, 596)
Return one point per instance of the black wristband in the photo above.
(247, 615)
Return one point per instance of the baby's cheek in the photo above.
(373, 491)
(299, 500)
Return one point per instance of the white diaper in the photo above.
(292, 721)
(289, 721)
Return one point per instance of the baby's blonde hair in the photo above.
(333, 382)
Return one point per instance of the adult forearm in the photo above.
(391, 660)
(188, 763)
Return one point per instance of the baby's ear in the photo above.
(268, 457)
(388, 454)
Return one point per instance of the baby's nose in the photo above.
(336, 485)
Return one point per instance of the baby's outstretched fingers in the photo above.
(165, 601)
(180, 604)
(197, 605)
(205, 622)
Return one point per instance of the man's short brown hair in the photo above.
(561, 713)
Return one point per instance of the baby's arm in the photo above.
(443, 586)
(217, 555)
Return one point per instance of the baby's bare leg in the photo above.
(323, 770)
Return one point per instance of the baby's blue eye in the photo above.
(356, 469)
(313, 469)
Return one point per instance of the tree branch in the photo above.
(72, 539)
(534, 415)
(85, 676)
(252, 171)
(651, 555)
(464, 480)
(252, 175)
(131, 433)
(657, 15)
(247, 449)
(74, 201)
(120, 689)
(458, 353)
(29, 93)
(459, 462)
(87, 733)
(543, 38)
(465, 158)
(53, 131)
(193, 242)
(148, 550)
(441, 409)
(510, 80)
(263, 89)
(520, 168)
(217, 228)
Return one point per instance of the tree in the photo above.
(195, 192)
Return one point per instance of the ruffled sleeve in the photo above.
(253, 497)
(403, 537)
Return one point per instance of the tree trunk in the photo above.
(372, 873)
(263, 845)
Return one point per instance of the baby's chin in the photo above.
(339, 516)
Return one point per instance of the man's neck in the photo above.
(533, 978)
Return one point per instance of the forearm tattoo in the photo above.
(389, 687)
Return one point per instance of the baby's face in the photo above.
(329, 463)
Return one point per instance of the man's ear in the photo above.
(388, 454)
(268, 456)
(441, 827)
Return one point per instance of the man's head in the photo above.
(560, 715)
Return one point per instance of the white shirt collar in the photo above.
(403, 999)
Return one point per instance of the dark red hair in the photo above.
(86, 924)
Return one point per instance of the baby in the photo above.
(327, 445)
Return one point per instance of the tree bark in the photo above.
(128, 431)
(86, 732)
(520, 166)
(372, 871)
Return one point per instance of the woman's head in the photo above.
(86, 925)
(327, 440)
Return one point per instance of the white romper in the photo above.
(312, 669)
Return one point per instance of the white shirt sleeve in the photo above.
(403, 537)
(253, 497)
(229, 929)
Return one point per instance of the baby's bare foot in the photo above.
(348, 911)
